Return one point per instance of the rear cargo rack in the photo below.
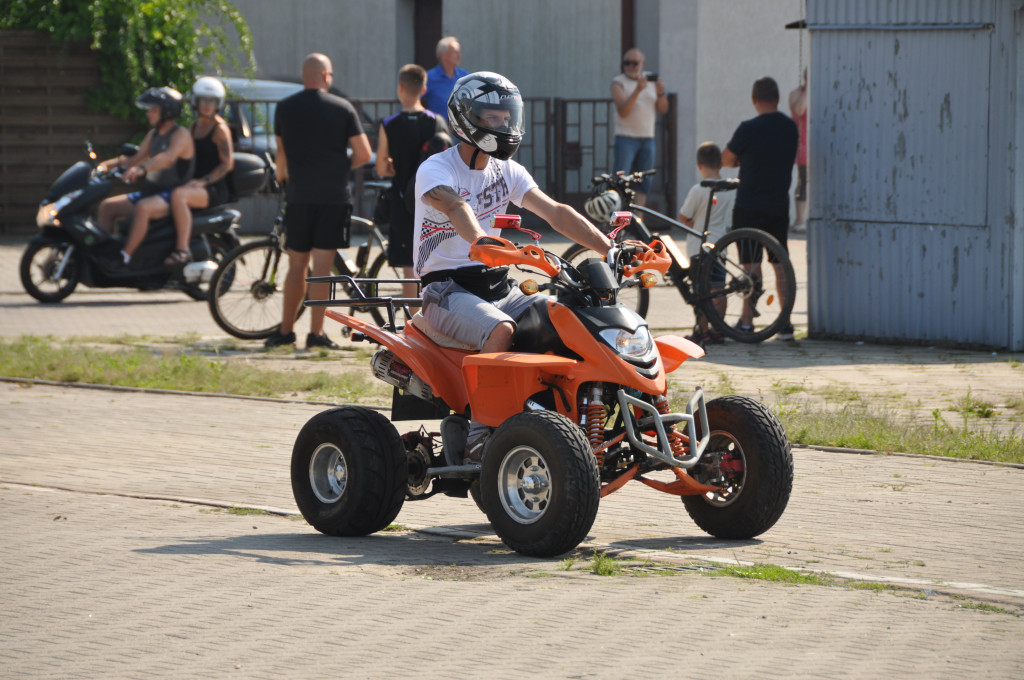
(355, 288)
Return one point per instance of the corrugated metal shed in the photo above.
(914, 141)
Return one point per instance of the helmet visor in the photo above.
(504, 117)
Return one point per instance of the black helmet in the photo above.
(487, 92)
(167, 98)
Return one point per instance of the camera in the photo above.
(651, 77)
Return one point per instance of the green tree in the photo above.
(141, 43)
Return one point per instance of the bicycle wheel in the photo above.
(636, 298)
(748, 270)
(248, 290)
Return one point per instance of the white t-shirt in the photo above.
(695, 207)
(640, 121)
(436, 244)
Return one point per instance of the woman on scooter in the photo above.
(458, 191)
(214, 160)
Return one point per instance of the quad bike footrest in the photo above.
(695, 409)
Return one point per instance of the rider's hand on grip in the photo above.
(653, 257)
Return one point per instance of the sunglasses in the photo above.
(631, 63)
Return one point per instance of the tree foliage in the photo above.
(141, 43)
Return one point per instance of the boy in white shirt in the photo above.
(692, 214)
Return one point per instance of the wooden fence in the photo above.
(44, 120)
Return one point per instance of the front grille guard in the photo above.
(661, 422)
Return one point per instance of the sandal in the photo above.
(178, 257)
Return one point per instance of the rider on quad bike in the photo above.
(573, 384)
(458, 191)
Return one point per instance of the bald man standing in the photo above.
(314, 131)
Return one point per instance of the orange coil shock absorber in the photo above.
(595, 422)
(676, 440)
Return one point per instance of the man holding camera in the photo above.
(639, 96)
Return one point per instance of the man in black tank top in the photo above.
(402, 144)
(165, 159)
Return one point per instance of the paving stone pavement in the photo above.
(98, 581)
(96, 584)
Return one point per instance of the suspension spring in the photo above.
(676, 440)
(595, 423)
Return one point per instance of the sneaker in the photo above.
(785, 332)
(743, 328)
(714, 337)
(475, 451)
(321, 340)
(278, 339)
(800, 228)
(696, 338)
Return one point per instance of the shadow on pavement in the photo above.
(312, 549)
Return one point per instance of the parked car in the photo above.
(250, 112)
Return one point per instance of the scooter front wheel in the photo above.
(539, 484)
(49, 270)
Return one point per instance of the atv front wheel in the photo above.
(750, 458)
(539, 484)
(349, 471)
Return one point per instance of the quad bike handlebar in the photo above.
(497, 252)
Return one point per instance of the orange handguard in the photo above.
(494, 251)
(656, 257)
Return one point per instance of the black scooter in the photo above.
(72, 249)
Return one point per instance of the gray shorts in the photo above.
(469, 319)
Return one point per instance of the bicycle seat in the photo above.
(728, 184)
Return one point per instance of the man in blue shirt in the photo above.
(441, 79)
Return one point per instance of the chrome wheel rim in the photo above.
(724, 450)
(524, 485)
(328, 473)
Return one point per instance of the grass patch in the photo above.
(174, 369)
(774, 573)
(605, 565)
(395, 528)
(968, 406)
(859, 426)
(784, 389)
(239, 510)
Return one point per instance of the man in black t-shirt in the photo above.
(405, 139)
(764, 149)
(314, 130)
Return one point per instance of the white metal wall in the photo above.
(913, 149)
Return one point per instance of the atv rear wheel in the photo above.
(349, 471)
(539, 484)
(750, 458)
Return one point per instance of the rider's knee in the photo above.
(500, 338)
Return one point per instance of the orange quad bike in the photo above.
(579, 407)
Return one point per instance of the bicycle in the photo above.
(718, 282)
(247, 288)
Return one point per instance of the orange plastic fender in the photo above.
(439, 367)
(655, 258)
(675, 350)
(496, 252)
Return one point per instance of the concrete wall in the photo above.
(367, 40)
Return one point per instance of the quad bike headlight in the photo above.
(46, 216)
(628, 344)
